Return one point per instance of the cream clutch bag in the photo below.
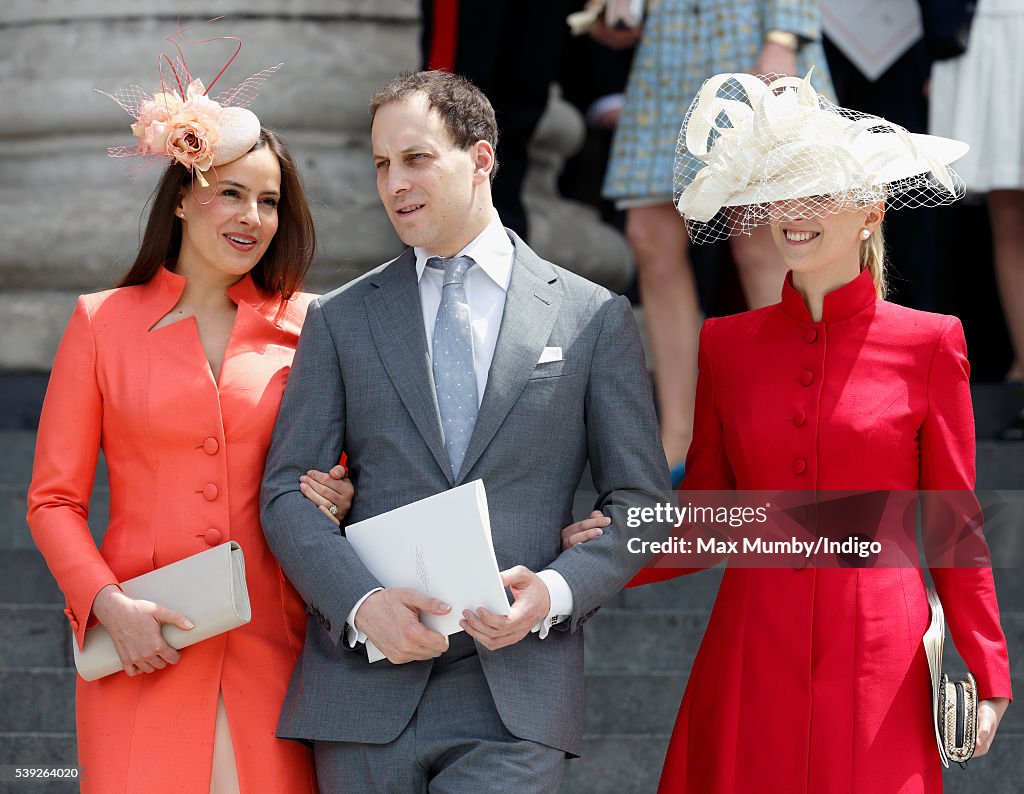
(208, 588)
(954, 703)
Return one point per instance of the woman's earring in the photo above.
(181, 214)
(864, 233)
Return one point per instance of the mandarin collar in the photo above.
(839, 304)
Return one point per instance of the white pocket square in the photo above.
(550, 354)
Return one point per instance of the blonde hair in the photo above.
(872, 257)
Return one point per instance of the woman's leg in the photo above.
(1006, 211)
(224, 779)
(760, 266)
(668, 293)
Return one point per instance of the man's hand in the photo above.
(391, 618)
(531, 606)
(990, 714)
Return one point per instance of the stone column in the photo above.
(72, 216)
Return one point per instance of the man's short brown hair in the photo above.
(465, 110)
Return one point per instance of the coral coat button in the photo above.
(210, 492)
(210, 446)
(806, 377)
(212, 536)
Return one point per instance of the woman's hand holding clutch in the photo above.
(990, 714)
(331, 492)
(134, 626)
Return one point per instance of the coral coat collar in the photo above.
(167, 287)
(840, 304)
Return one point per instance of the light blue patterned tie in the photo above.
(454, 376)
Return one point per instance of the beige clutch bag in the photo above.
(208, 588)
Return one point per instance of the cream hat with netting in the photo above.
(752, 144)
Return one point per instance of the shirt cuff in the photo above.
(353, 636)
(561, 601)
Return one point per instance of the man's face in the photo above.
(436, 195)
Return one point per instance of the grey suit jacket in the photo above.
(361, 383)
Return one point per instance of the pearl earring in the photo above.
(865, 234)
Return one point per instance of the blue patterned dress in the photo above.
(685, 42)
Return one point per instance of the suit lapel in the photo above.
(396, 322)
(531, 307)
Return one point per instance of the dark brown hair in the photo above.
(465, 110)
(288, 257)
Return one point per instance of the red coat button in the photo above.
(799, 418)
(210, 492)
(806, 377)
(212, 536)
(811, 336)
(799, 466)
(210, 446)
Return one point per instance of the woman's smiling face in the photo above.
(229, 226)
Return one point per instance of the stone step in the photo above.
(37, 700)
(21, 399)
(27, 749)
(25, 579)
(696, 591)
(14, 531)
(632, 703)
(995, 406)
(34, 635)
(1000, 465)
(647, 641)
(18, 448)
(631, 764)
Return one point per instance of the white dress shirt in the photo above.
(486, 287)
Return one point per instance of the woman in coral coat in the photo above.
(177, 376)
(815, 679)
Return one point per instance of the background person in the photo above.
(683, 43)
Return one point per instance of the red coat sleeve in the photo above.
(947, 464)
(67, 447)
(707, 465)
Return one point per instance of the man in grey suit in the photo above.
(467, 357)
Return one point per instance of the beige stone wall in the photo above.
(70, 216)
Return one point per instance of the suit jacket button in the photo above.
(811, 336)
(799, 419)
(211, 445)
(210, 492)
(327, 624)
(806, 377)
(212, 536)
(799, 466)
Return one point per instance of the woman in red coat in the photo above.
(177, 375)
(815, 680)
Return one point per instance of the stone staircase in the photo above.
(639, 647)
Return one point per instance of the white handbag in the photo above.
(208, 588)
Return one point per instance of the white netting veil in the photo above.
(757, 149)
